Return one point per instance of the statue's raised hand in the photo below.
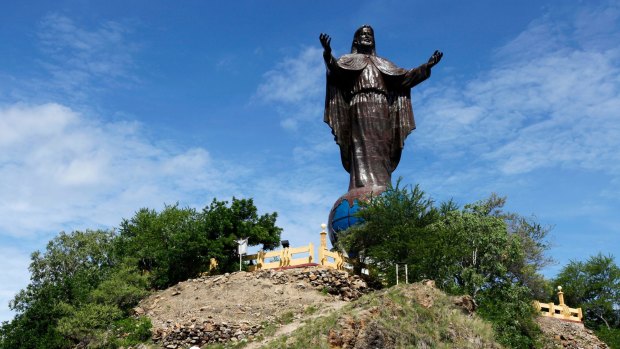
(325, 41)
(435, 58)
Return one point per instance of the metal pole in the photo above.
(240, 261)
(406, 275)
(397, 273)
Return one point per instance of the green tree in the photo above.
(69, 269)
(478, 250)
(593, 285)
(395, 224)
(34, 325)
(84, 284)
(168, 245)
(471, 251)
(177, 243)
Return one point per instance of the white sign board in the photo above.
(243, 246)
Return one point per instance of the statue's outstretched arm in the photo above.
(423, 72)
(435, 58)
(330, 60)
(325, 41)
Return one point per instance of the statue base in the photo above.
(342, 214)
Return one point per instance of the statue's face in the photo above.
(366, 37)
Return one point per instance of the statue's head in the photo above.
(364, 40)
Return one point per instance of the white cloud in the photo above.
(597, 28)
(548, 101)
(13, 276)
(296, 89)
(59, 167)
(294, 79)
(82, 60)
(15, 130)
(302, 196)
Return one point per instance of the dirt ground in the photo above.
(238, 297)
(263, 297)
(563, 334)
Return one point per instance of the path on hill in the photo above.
(298, 322)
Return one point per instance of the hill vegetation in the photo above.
(405, 316)
(86, 284)
(479, 250)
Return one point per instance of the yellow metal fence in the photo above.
(286, 257)
(560, 311)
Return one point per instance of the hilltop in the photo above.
(324, 308)
(269, 307)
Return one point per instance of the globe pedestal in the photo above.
(342, 213)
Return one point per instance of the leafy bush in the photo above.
(594, 286)
(124, 288)
(130, 331)
(177, 243)
(89, 323)
(611, 336)
(509, 309)
(84, 284)
(478, 250)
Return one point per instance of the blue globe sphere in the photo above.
(342, 215)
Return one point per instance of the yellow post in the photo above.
(285, 257)
(551, 309)
(536, 305)
(260, 261)
(340, 261)
(560, 295)
(310, 253)
(323, 247)
(212, 264)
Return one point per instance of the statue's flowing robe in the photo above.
(368, 107)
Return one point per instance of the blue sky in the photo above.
(109, 107)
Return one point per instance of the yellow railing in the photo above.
(328, 258)
(560, 311)
(292, 251)
(276, 258)
(286, 257)
(280, 258)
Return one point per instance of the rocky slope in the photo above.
(235, 307)
(324, 308)
(406, 316)
(563, 334)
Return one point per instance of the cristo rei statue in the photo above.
(368, 107)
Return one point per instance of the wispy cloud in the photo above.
(551, 99)
(294, 79)
(58, 166)
(296, 85)
(81, 60)
(12, 276)
(304, 193)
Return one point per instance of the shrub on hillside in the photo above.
(84, 285)
(477, 250)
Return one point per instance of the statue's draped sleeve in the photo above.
(337, 108)
(340, 77)
(401, 111)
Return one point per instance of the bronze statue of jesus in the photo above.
(368, 107)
